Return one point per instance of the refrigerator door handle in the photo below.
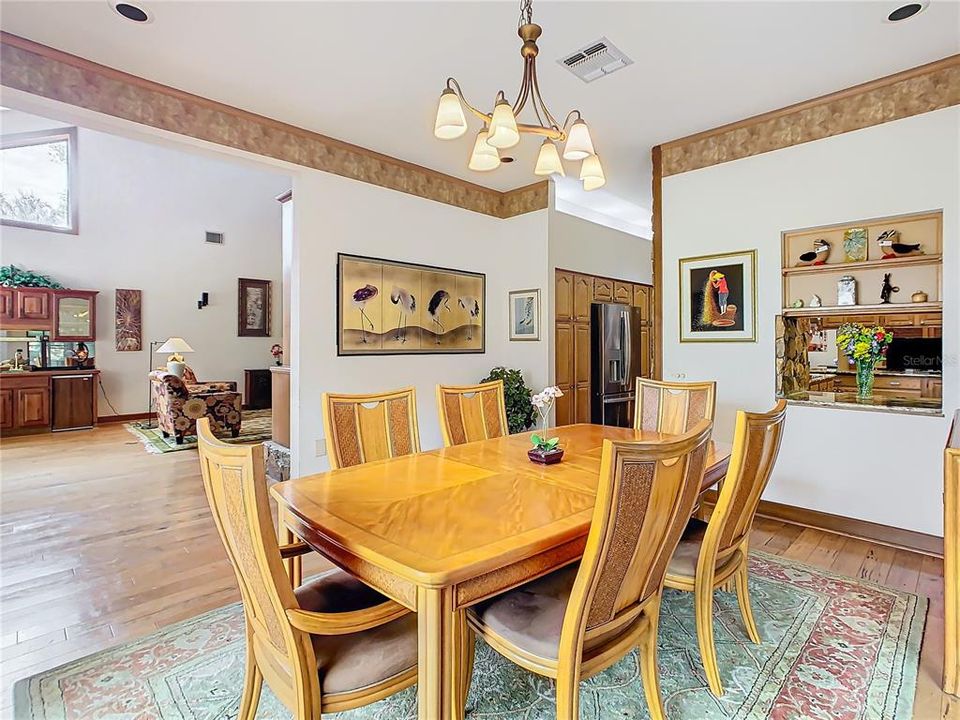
(627, 349)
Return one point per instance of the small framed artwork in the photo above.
(525, 314)
(718, 298)
(129, 333)
(253, 308)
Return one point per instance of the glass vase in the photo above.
(865, 378)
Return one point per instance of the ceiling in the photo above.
(370, 72)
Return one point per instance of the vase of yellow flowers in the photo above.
(865, 346)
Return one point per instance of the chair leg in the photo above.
(743, 597)
(252, 686)
(703, 594)
(568, 696)
(467, 641)
(649, 671)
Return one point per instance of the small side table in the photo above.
(257, 389)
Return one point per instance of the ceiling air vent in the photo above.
(215, 237)
(595, 60)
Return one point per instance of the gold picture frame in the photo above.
(718, 297)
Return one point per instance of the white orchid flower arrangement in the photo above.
(543, 401)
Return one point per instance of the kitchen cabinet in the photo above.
(7, 416)
(602, 290)
(74, 315)
(582, 297)
(563, 296)
(622, 292)
(74, 401)
(641, 299)
(7, 304)
(47, 399)
(33, 304)
(31, 407)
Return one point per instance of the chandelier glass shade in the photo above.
(501, 130)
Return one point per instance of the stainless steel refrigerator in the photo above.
(614, 362)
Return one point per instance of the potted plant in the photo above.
(516, 396)
(866, 346)
(545, 450)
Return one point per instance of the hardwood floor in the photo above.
(101, 543)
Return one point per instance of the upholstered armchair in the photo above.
(181, 402)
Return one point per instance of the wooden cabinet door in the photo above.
(583, 404)
(563, 410)
(933, 388)
(564, 355)
(73, 402)
(646, 352)
(33, 304)
(602, 290)
(894, 321)
(581, 352)
(7, 304)
(622, 292)
(641, 299)
(7, 418)
(74, 316)
(582, 297)
(32, 406)
(563, 303)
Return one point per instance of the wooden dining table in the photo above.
(441, 530)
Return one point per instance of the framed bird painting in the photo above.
(388, 307)
(718, 298)
(525, 314)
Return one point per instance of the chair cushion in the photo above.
(684, 560)
(531, 616)
(357, 660)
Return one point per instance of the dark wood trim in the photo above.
(45, 71)
(850, 527)
(911, 92)
(123, 418)
(656, 155)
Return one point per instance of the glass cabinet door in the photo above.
(74, 318)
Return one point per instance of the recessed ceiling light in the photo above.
(906, 11)
(132, 12)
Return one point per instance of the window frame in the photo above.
(45, 137)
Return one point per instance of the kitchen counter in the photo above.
(878, 403)
(833, 372)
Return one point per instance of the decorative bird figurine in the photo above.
(819, 254)
(360, 298)
(407, 304)
(891, 248)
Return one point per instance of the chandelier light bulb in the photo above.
(484, 157)
(450, 123)
(591, 173)
(548, 161)
(579, 145)
(503, 127)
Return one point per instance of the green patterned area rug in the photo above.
(256, 426)
(834, 647)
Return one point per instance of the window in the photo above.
(38, 180)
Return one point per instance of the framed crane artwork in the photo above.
(387, 307)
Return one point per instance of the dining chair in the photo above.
(710, 554)
(673, 407)
(575, 622)
(364, 428)
(333, 643)
(472, 412)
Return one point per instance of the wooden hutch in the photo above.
(47, 399)
(574, 293)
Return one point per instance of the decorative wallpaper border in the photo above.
(911, 92)
(51, 73)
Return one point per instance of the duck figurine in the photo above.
(819, 254)
(888, 242)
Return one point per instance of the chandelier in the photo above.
(501, 130)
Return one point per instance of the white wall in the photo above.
(143, 213)
(334, 214)
(879, 467)
(584, 246)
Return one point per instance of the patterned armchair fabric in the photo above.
(180, 403)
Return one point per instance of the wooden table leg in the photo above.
(439, 693)
(285, 536)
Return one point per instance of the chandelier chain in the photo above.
(526, 12)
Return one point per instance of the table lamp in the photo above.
(175, 345)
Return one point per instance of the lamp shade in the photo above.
(450, 123)
(174, 345)
(591, 172)
(503, 131)
(548, 161)
(484, 157)
(579, 145)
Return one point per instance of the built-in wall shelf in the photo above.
(847, 268)
(886, 309)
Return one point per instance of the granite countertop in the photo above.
(878, 403)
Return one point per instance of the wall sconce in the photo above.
(203, 301)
